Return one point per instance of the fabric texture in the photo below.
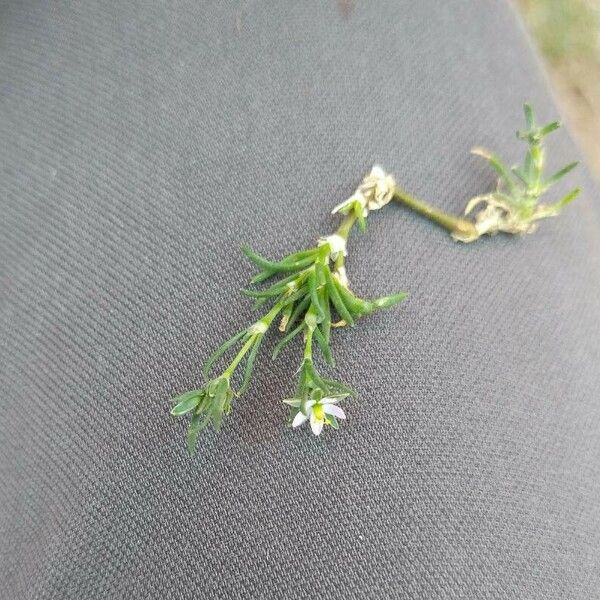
(144, 143)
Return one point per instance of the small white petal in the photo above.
(309, 404)
(336, 411)
(331, 400)
(316, 424)
(299, 419)
(334, 399)
(295, 402)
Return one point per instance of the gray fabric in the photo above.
(144, 142)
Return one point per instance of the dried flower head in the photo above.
(374, 192)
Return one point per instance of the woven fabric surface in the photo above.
(143, 144)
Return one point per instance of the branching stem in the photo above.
(266, 320)
(240, 355)
(462, 228)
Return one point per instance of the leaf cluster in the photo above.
(314, 297)
(514, 206)
(207, 405)
(306, 293)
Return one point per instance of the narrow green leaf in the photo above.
(569, 198)
(320, 274)
(186, 395)
(333, 422)
(310, 318)
(503, 171)
(528, 167)
(298, 265)
(262, 276)
(187, 403)
(336, 386)
(326, 322)
(295, 297)
(529, 115)
(520, 173)
(336, 299)
(228, 398)
(302, 254)
(259, 261)
(293, 402)
(286, 340)
(250, 365)
(314, 296)
(285, 265)
(324, 346)
(259, 302)
(362, 222)
(218, 403)
(356, 305)
(560, 174)
(221, 350)
(303, 380)
(197, 424)
(313, 375)
(279, 286)
(544, 131)
(273, 291)
(388, 301)
(298, 311)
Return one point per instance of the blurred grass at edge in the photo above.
(567, 32)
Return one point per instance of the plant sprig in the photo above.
(514, 207)
(309, 293)
(322, 301)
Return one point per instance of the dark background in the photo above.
(145, 142)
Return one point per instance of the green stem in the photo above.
(346, 225)
(344, 232)
(461, 228)
(308, 334)
(266, 320)
(240, 355)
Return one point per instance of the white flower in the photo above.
(319, 412)
(374, 192)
